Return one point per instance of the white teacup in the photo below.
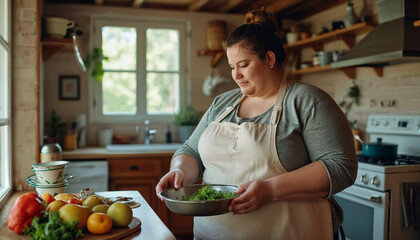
(57, 27)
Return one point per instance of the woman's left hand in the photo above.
(254, 194)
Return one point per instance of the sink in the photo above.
(143, 147)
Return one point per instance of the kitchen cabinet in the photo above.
(142, 173)
(347, 35)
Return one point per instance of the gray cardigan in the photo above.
(312, 128)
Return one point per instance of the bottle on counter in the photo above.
(51, 152)
(168, 135)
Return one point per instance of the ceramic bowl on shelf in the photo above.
(52, 189)
(50, 172)
(33, 180)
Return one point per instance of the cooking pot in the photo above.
(380, 149)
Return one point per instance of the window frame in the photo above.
(141, 25)
(6, 122)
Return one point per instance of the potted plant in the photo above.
(56, 128)
(94, 61)
(351, 98)
(186, 119)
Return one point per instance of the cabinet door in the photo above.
(146, 187)
(179, 224)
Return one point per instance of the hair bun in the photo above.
(260, 17)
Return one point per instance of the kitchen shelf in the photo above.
(51, 46)
(347, 35)
(217, 55)
(349, 71)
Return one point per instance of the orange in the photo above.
(99, 223)
(48, 198)
(74, 201)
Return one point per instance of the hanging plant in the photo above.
(352, 97)
(94, 62)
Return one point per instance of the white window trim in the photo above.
(95, 94)
(6, 124)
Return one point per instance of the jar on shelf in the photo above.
(51, 152)
(350, 17)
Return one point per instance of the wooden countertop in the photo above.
(103, 153)
(151, 227)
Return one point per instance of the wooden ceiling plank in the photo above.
(279, 5)
(99, 2)
(229, 5)
(196, 5)
(137, 3)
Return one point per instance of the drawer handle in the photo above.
(134, 167)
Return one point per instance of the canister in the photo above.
(51, 152)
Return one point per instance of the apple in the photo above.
(121, 214)
(103, 208)
(71, 212)
(92, 201)
(54, 206)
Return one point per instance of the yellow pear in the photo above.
(64, 196)
(54, 206)
(120, 213)
(102, 208)
(92, 201)
(71, 212)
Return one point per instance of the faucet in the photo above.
(148, 133)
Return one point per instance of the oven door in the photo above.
(365, 213)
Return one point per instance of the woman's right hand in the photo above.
(174, 178)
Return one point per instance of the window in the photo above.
(144, 77)
(5, 99)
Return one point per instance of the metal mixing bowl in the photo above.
(174, 200)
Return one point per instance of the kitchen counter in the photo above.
(103, 153)
(151, 226)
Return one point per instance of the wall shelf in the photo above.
(51, 46)
(347, 35)
(217, 55)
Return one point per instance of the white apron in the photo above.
(234, 154)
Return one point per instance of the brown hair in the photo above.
(258, 35)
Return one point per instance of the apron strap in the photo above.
(229, 109)
(278, 107)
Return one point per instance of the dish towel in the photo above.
(410, 203)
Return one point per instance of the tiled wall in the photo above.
(25, 88)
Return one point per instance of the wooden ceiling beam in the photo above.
(196, 5)
(99, 2)
(137, 3)
(229, 5)
(280, 5)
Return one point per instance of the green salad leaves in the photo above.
(50, 227)
(208, 193)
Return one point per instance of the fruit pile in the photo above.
(31, 213)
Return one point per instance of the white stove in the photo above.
(376, 195)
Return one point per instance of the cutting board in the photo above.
(115, 234)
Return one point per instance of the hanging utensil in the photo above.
(358, 139)
(77, 53)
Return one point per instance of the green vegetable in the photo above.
(208, 193)
(50, 227)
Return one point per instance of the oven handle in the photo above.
(373, 197)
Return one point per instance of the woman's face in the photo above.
(248, 71)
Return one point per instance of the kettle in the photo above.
(51, 152)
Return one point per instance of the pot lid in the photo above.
(380, 143)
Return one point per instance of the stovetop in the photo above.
(401, 159)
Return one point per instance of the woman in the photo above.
(287, 145)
